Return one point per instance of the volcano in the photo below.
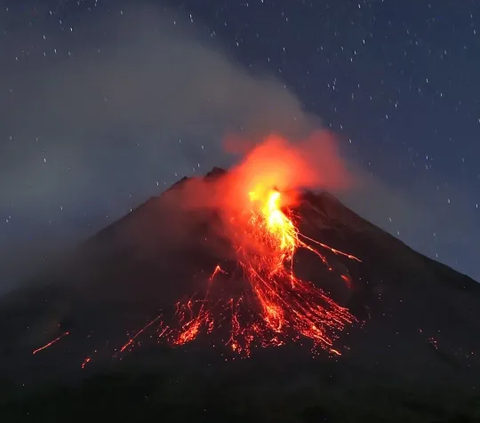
(152, 316)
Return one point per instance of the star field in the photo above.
(397, 81)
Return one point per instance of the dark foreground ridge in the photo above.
(414, 356)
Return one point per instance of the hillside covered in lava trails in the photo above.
(223, 300)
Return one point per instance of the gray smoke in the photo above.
(95, 120)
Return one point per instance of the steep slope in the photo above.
(417, 319)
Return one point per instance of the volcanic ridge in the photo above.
(291, 276)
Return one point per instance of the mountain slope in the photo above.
(417, 319)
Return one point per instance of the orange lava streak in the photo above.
(277, 305)
(192, 322)
(217, 270)
(86, 361)
(44, 347)
(263, 303)
(133, 338)
(279, 227)
(333, 250)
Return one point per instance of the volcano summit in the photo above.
(175, 296)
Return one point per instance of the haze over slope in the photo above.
(97, 303)
(103, 132)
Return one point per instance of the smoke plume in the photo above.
(96, 118)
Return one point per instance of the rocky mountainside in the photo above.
(417, 326)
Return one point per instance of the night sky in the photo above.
(105, 103)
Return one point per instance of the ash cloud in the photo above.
(117, 110)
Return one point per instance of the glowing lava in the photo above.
(272, 307)
(256, 200)
(275, 306)
(49, 344)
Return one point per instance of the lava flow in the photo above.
(255, 299)
(49, 344)
(276, 306)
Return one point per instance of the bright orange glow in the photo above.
(257, 204)
(275, 307)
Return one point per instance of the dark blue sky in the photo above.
(396, 80)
